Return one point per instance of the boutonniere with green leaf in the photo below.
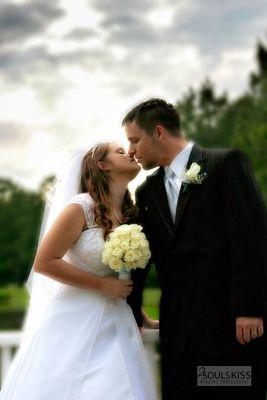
(193, 175)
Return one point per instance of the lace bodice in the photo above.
(86, 252)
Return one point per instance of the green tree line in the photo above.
(21, 211)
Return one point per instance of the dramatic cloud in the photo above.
(214, 26)
(81, 34)
(11, 133)
(70, 70)
(24, 20)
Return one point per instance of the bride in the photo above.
(80, 337)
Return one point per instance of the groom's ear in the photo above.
(159, 132)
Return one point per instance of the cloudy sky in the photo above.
(69, 70)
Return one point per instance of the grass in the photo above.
(151, 299)
(13, 298)
(13, 302)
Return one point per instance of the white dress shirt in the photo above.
(173, 176)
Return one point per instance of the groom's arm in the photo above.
(246, 225)
(138, 276)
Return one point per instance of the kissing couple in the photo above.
(205, 219)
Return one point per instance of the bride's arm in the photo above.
(64, 232)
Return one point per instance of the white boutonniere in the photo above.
(193, 175)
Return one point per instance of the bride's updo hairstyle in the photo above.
(96, 182)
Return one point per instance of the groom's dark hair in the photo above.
(152, 112)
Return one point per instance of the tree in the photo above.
(20, 217)
(201, 112)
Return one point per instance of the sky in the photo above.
(70, 70)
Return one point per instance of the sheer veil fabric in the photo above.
(40, 287)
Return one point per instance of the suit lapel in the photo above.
(184, 196)
(159, 196)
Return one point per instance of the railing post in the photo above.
(150, 339)
(8, 340)
(6, 359)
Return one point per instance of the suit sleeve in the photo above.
(246, 226)
(138, 276)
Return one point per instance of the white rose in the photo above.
(193, 171)
(146, 254)
(115, 263)
(135, 227)
(144, 244)
(138, 254)
(135, 243)
(122, 229)
(108, 246)
(122, 236)
(194, 168)
(130, 264)
(116, 242)
(125, 244)
(130, 256)
(106, 256)
(135, 234)
(141, 263)
(117, 252)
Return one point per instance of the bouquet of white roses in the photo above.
(127, 248)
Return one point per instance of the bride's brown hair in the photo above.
(96, 182)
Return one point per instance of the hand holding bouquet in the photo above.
(127, 248)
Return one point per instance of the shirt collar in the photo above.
(179, 162)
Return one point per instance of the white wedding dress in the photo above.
(88, 346)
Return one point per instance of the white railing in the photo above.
(10, 340)
(150, 339)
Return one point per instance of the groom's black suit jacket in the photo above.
(212, 262)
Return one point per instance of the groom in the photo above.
(208, 236)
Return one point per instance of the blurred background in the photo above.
(69, 71)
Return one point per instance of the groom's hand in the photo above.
(149, 322)
(248, 328)
(141, 329)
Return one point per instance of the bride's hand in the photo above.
(116, 288)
